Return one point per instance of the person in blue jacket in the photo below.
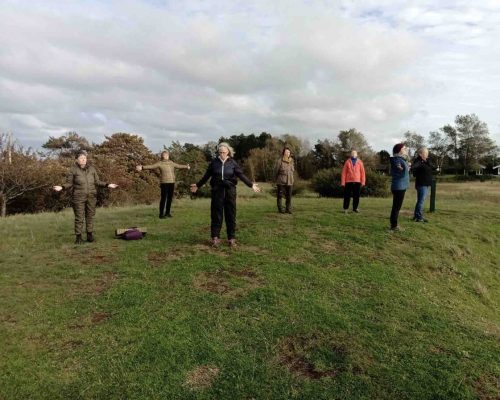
(223, 171)
(400, 173)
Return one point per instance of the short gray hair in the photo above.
(227, 146)
(422, 149)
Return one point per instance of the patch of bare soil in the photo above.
(218, 282)
(99, 317)
(201, 377)
(160, 258)
(9, 319)
(96, 318)
(105, 282)
(208, 248)
(487, 387)
(296, 354)
(97, 259)
(72, 344)
(212, 282)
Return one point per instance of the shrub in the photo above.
(327, 183)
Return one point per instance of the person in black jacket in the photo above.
(422, 170)
(223, 171)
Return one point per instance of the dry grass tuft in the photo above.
(201, 377)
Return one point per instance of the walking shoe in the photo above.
(162, 217)
(281, 211)
(396, 229)
(345, 211)
(288, 211)
(90, 237)
(356, 211)
(421, 220)
(169, 215)
(215, 242)
(231, 242)
(78, 239)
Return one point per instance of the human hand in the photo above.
(189, 167)
(139, 168)
(194, 188)
(57, 188)
(256, 188)
(112, 185)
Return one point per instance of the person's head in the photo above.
(400, 149)
(81, 158)
(423, 152)
(354, 154)
(165, 155)
(225, 150)
(286, 152)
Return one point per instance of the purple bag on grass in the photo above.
(132, 234)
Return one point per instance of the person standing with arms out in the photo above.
(352, 179)
(422, 169)
(284, 180)
(223, 171)
(400, 181)
(167, 181)
(83, 180)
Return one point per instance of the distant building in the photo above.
(480, 169)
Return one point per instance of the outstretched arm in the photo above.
(182, 166)
(203, 180)
(239, 173)
(151, 166)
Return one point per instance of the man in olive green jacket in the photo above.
(167, 181)
(83, 180)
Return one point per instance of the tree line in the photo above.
(27, 175)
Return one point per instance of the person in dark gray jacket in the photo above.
(223, 171)
(422, 169)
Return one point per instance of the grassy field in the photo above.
(317, 305)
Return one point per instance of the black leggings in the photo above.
(167, 193)
(223, 206)
(354, 189)
(397, 201)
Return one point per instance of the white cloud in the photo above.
(193, 71)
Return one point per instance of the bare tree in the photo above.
(413, 141)
(440, 146)
(20, 172)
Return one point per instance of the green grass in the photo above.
(318, 305)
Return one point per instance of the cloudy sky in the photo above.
(196, 70)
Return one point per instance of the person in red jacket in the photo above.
(353, 178)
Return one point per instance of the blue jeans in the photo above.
(419, 207)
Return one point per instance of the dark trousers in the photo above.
(84, 209)
(397, 201)
(223, 206)
(352, 189)
(287, 190)
(167, 193)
